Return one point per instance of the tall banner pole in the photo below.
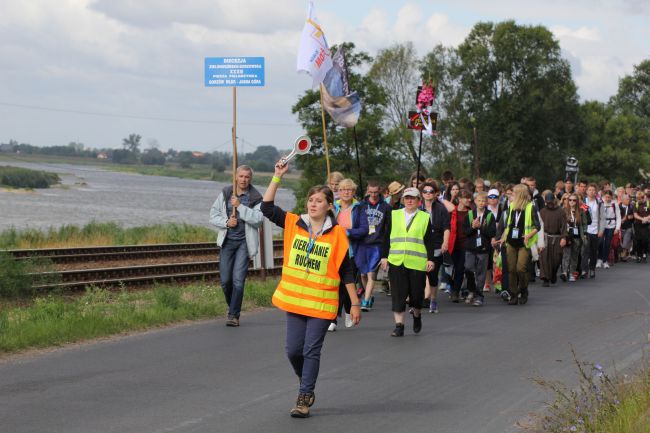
(417, 182)
(322, 112)
(234, 145)
(356, 148)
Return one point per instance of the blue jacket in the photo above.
(359, 229)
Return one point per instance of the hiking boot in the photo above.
(301, 409)
(417, 324)
(398, 331)
(433, 307)
(232, 321)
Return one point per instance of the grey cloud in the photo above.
(253, 16)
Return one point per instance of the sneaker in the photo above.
(433, 307)
(486, 289)
(599, 263)
(301, 409)
(371, 301)
(592, 273)
(365, 305)
(478, 302)
(332, 327)
(563, 277)
(348, 321)
(583, 275)
(398, 331)
(469, 297)
(232, 321)
(505, 295)
(417, 324)
(605, 265)
(455, 297)
(572, 278)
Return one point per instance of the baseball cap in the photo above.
(493, 193)
(411, 192)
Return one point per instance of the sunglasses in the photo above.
(428, 191)
(572, 199)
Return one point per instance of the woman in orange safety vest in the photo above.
(315, 262)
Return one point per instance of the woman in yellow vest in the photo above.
(519, 235)
(410, 253)
(315, 263)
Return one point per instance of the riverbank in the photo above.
(196, 172)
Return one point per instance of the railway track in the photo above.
(132, 275)
(122, 252)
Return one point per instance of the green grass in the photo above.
(104, 234)
(56, 319)
(16, 177)
(600, 404)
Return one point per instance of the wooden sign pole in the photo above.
(234, 145)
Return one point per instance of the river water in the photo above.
(90, 193)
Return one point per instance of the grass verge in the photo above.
(619, 403)
(104, 234)
(57, 319)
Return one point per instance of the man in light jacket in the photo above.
(238, 237)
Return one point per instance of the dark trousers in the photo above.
(233, 266)
(458, 257)
(305, 337)
(605, 244)
(505, 275)
(641, 237)
(589, 253)
(406, 283)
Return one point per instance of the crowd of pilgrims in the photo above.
(490, 237)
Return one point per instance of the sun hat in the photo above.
(395, 187)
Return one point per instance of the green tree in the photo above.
(634, 91)
(513, 85)
(132, 143)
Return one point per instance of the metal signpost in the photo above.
(234, 72)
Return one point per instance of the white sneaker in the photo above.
(348, 321)
(469, 298)
(332, 327)
(599, 263)
(605, 265)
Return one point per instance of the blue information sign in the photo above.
(234, 71)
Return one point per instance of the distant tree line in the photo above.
(262, 159)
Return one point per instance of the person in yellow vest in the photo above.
(409, 252)
(520, 234)
(315, 263)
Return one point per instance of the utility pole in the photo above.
(477, 161)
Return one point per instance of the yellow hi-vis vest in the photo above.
(407, 246)
(310, 279)
(528, 224)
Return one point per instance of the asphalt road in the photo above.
(470, 370)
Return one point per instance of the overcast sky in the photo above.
(137, 65)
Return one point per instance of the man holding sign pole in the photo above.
(237, 216)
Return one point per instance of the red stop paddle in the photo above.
(300, 147)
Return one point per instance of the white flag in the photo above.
(314, 55)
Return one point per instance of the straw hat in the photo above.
(395, 187)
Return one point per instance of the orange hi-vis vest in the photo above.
(310, 279)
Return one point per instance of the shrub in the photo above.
(24, 178)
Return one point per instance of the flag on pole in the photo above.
(343, 106)
(314, 55)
